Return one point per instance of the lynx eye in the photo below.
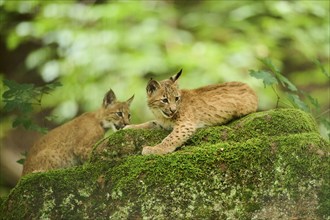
(164, 100)
(177, 98)
(120, 114)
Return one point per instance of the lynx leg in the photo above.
(180, 134)
(146, 125)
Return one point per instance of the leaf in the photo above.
(10, 106)
(326, 123)
(51, 118)
(11, 89)
(35, 127)
(268, 63)
(323, 70)
(282, 79)
(267, 78)
(286, 83)
(312, 100)
(20, 98)
(21, 121)
(25, 107)
(28, 124)
(9, 83)
(21, 161)
(16, 90)
(49, 87)
(297, 102)
(16, 104)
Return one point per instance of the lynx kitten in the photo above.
(187, 110)
(71, 143)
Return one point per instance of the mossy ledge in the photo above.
(267, 165)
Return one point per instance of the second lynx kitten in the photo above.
(187, 110)
(71, 143)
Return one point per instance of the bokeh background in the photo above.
(93, 45)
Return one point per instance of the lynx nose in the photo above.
(173, 110)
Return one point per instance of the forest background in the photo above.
(89, 46)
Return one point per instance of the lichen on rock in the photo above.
(267, 165)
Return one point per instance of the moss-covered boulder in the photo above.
(267, 165)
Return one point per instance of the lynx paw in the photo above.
(129, 127)
(148, 150)
(156, 150)
(38, 171)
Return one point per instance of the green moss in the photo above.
(274, 122)
(324, 198)
(239, 171)
(125, 143)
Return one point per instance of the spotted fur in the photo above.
(184, 111)
(71, 143)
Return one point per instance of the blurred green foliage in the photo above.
(295, 96)
(91, 46)
(22, 99)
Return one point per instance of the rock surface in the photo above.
(267, 165)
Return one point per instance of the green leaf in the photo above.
(16, 90)
(28, 124)
(10, 106)
(267, 78)
(282, 79)
(286, 83)
(8, 94)
(51, 117)
(323, 70)
(297, 102)
(326, 123)
(21, 121)
(35, 127)
(9, 83)
(50, 86)
(21, 161)
(19, 105)
(268, 63)
(20, 98)
(25, 107)
(312, 100)
(11, 89)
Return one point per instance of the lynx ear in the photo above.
(176, 76)
(152, 86)
(109, 98)
(129, 101)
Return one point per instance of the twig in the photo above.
(278, 97)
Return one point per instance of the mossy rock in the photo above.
(267, 165)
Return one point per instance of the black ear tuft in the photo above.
(152, 86)
(109, 98)
(176, 76)
(129, 101)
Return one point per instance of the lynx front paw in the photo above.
(129, 127)
(156, 150)
(148, 150)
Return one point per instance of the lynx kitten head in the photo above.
(115, 114)
(164, 97)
